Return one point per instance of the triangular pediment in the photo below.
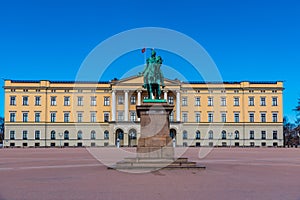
(139, 80)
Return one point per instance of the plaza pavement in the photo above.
(73, 173)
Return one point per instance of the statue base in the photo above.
(155, 149)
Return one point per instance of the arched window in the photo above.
(52, 135)
(237, 135)
(93, 135)
(223, 135)
(106, 135)
(197, 135)
(66, 135)
(79, 135)
(184, 135)
(210, 135)
(172, 133)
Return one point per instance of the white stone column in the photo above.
(177, 105)
(126, 105)
(166, 95)
(113, 108)
(139, 92)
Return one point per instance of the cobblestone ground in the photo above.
(231, 173)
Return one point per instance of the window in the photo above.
(132, 100)
(25, 117)
(263, 101)
(236, 101)
(52, 135)
(13, 100)
(37, 117)
(66, 101)
(210, 135)
(263, 117)
(197, 117)
(93, 117)
(223, 117)
(171, 117)
(66, 135)
(251, 117)
(66, 117)
(236, 135)
(132, 116)
(263, 135)
(184, 135)
(210, 101)
(37, 100)
(106, 135)
(184, 117)
(236, 117)
(251, 101)
(197, 135)
(170, 100)
(106, 101)
(80, 101)
(275, 135)
(120, 100)
(12, 135)
(223, 135)
(106, 117)
(251, 135)
(184, 101)
(12, 117)
(53, 117)
(274, 101)
(53, 101)
(25, 134)
(25, 100)
(274, 117)
(120, 116)
(79, 117)
(37, 134)
(93, 101)
(210, 117)
(223, 101)
(79, 135)
(93, 135)
(197, 101)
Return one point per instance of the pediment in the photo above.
(139, 80)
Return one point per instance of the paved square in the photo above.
(236, 173)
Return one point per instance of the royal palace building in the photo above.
(67, 113)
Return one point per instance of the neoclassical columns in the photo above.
(166, 95)
(139, 97)
(126, 105)
(177, 105)
(113, 109)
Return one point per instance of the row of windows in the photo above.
(53, 135)
(93, 101)
(235, 135)
(93, 117)
(236, 101)
(53, 116)
(210, 117)
(53, 101)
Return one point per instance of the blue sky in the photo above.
(248, 40)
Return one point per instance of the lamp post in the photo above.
(230, 134)
(60, 136)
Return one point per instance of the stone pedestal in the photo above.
(155, 141)
(155, 149)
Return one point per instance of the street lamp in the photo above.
(230, 134)
(60, 136)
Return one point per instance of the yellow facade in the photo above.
(39, 113)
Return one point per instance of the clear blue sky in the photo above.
(248, 40)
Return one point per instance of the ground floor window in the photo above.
(252, 144)
(52, 144)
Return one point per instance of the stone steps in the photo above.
(156, 164)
